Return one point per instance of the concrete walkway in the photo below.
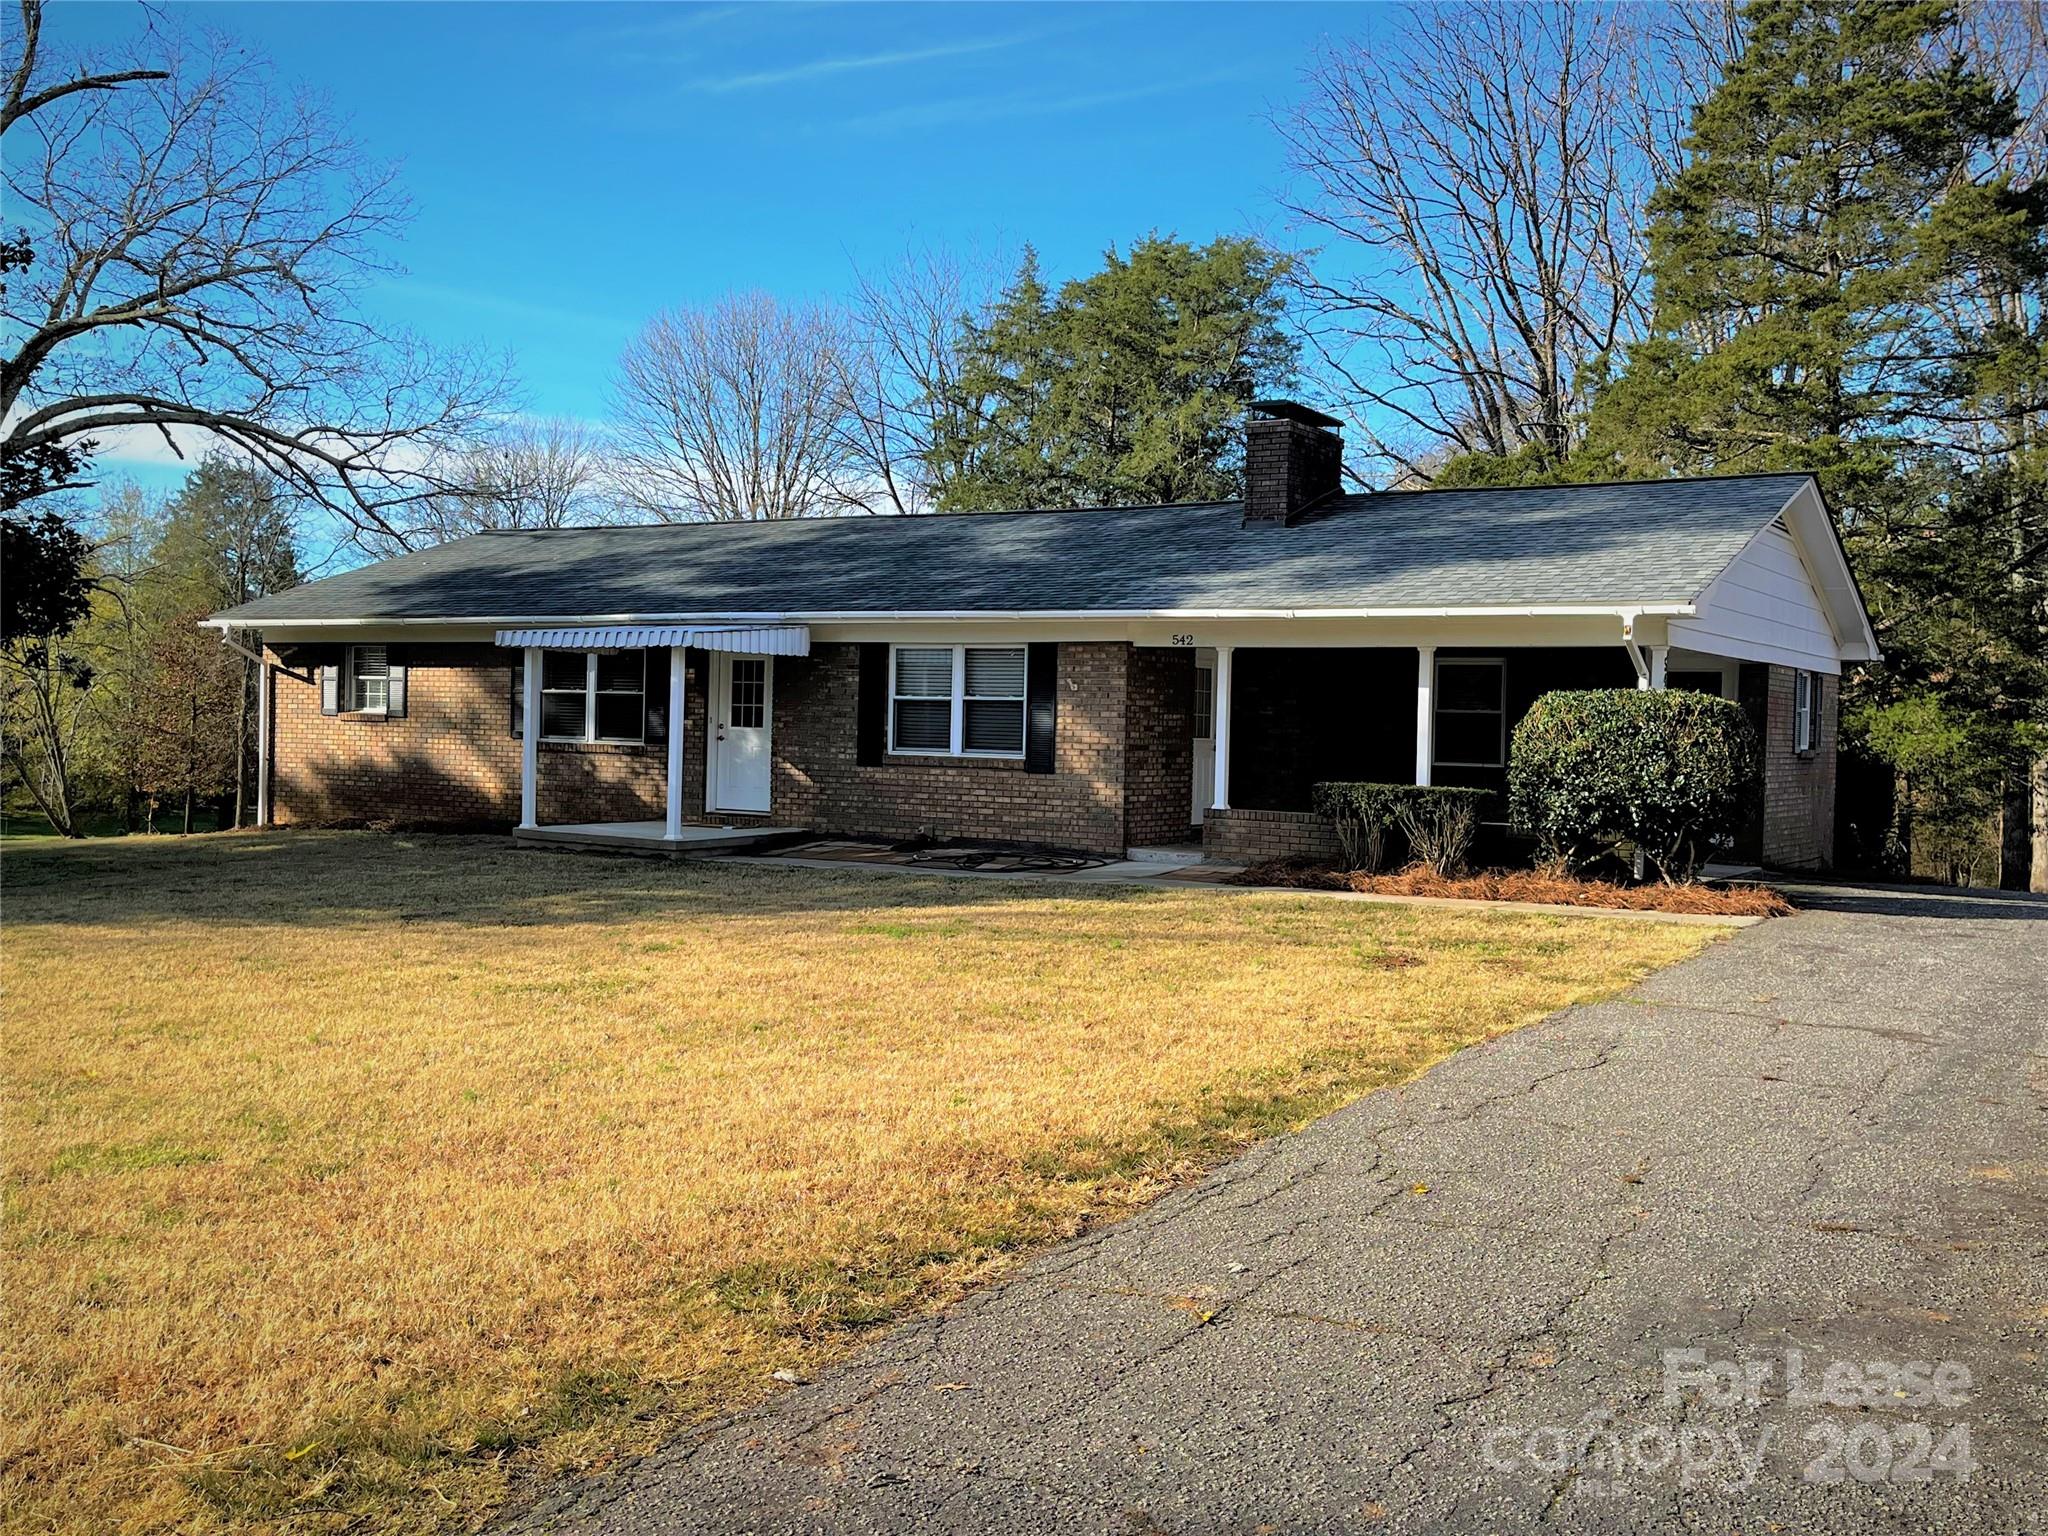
(1823, 1137)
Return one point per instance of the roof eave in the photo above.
(1639, 608)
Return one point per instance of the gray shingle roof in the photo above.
(1643, 542)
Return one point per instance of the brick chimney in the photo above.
(1293, 460)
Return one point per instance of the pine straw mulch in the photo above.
(1522, 885)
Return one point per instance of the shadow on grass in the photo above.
(376, 879)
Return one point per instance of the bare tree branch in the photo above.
(553, 473)
(200, 242)
(732, 413)
(1476, 180)
(902, 376)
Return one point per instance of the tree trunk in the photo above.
(1899, 839)
(191, 765)
(2038, 880)
(2015, 830)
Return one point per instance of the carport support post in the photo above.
(1425, 711)
(674, 829)
(1220, 801)
(1657, 655)
(529, 740)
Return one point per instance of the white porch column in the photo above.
(1220, 724)
(263, 686)
(529, 741)
(1657, 655)
(1425, 712)
(676, 727)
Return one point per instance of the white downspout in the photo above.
(1220, 800)
(1635, 652)
(264, 682)
(529, 742)
(674, 830)
(1425, 712)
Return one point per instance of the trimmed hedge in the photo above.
(1666, 773)
(1438, 820)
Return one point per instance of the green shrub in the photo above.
(1438, 820)
(1666, 773)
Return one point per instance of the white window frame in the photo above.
(1805, 699)
(351, 675)
(1500, 666)
(590, 692)
(957, 735)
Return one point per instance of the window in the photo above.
(1805, 710)
(593, 696)
(618, 685)
(369, 679)
(564, 707)
(959, 700)
(747, 689)
(1205, 702)
(1471, 712)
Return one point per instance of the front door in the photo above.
(740, 751)
(1205, 735)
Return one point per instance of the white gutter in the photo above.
(959, 615)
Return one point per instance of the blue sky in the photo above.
(577, 167)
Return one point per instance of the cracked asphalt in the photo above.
(1447, 1307)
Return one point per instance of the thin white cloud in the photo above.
(850, 63)
(981, 109)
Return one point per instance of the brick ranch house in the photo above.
(1095, 680)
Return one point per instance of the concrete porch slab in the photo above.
(649, 837)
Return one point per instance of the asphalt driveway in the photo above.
(1810, 1157)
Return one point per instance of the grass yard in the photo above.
(349, 1178)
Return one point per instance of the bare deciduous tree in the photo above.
(903, 376)
(549, 473)
(199, 242)
(1477, 180)
(731, 412)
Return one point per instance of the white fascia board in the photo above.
(981, 615)
(1807, 518)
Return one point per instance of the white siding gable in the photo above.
(1764, 607)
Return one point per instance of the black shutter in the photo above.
(871, 726)
(330, 690)
(394, 661)
(656, 732)
(1041, 705)
(518, 713)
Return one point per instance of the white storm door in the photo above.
(741, 710)
(1205, 735)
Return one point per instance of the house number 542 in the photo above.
(1183, 639)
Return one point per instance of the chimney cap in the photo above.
(1294, 410)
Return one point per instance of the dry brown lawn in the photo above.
(351, 1178)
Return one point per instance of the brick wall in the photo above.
(1239, 836)
(451, 759)
(1080, 804)
(599, 781)
(1159, 747)
(1798, 829)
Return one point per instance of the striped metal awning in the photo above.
(744, 639)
